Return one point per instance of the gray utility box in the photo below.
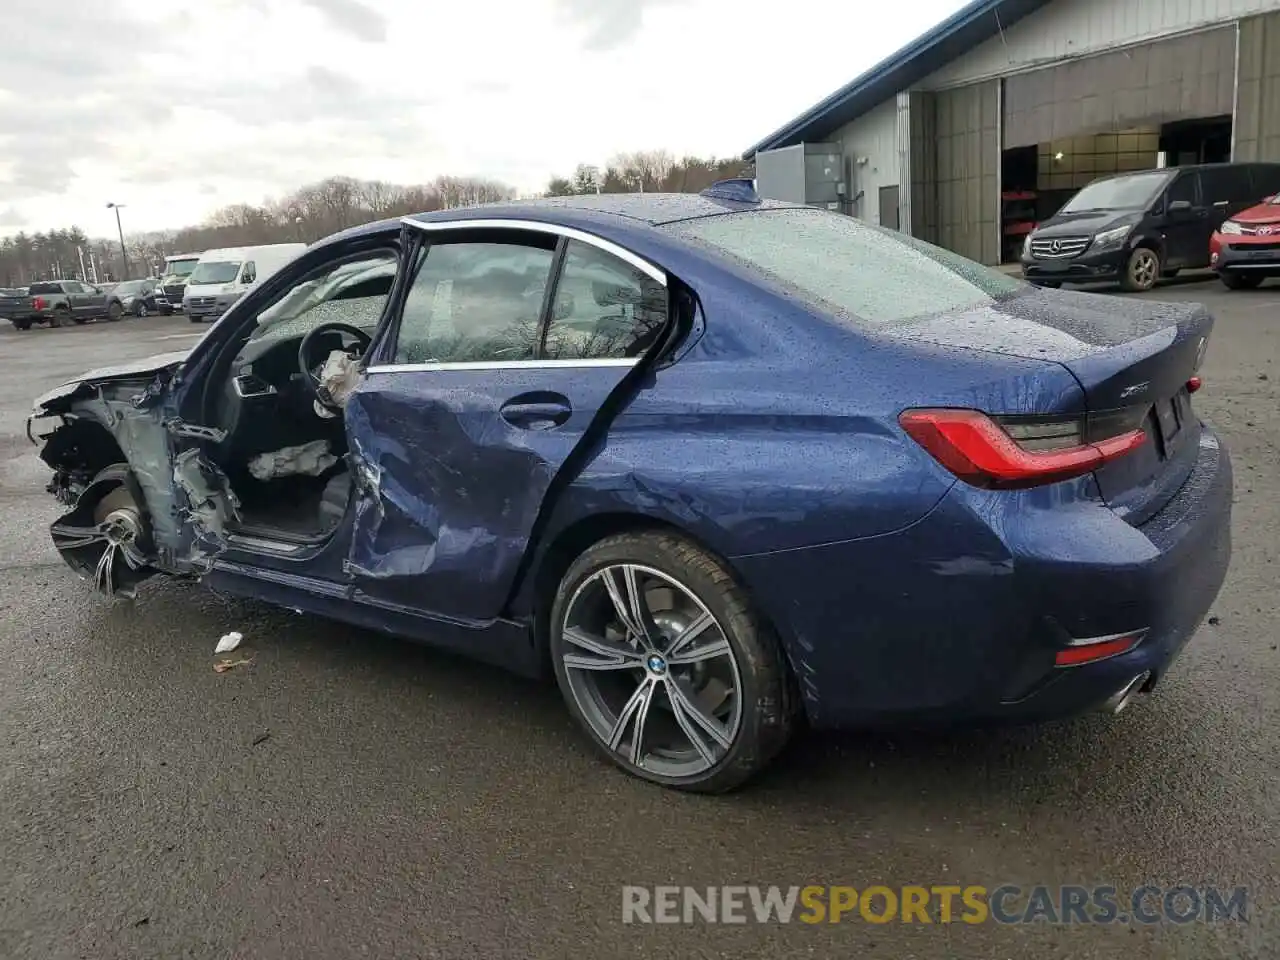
(810, 173)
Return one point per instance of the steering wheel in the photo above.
(310, 367)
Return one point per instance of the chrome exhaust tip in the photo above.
(1124, 696)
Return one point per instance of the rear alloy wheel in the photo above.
(1240, 281)
(114, 311)
(141, 310)
(665, 665)
(1142, 270)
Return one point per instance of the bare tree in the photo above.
(319, 209)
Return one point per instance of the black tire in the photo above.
(194, 319)
(60, 317)
(1240, 281)
(22, 324)
(114, 311)
(767, 700)
(1141, 270)
(80, 321)
(166, 311)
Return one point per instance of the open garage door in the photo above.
(1183, 78)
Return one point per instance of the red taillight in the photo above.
(37, 303)
(1194, 384)
(1101, 648)
(978, 451)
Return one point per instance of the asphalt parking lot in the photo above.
(349, 795)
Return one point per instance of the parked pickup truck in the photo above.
(59, 302)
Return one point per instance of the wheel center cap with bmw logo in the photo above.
(656, 664)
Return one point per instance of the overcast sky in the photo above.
(175, 108)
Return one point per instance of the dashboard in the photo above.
(266, 403)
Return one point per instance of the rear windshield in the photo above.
(44, 288)
(869, 274)
(1119, 193)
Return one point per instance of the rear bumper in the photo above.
(958, 618)
(1088, 268)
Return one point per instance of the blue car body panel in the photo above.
(449, 489)
(770, 435)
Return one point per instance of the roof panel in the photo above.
(651, 208)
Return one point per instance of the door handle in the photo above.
(536, 414)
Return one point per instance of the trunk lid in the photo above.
(1144, 384)
(1132, 358)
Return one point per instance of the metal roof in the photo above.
(955, 36)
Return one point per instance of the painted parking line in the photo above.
(180, 336)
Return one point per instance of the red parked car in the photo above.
(1245, 250)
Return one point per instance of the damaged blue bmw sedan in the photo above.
(719, 465)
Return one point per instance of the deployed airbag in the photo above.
(307, 460)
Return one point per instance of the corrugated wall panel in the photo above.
(904, 162)
(924, 166)
(967, 170)
(1076, 28)
(1257, 124)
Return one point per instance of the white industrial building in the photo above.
(992, 120)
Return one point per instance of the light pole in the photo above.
(123, 252)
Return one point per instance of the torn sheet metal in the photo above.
(305, 460)
(140, 434)
(339, 377)
(212, 503)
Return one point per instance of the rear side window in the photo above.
(1223, 185)
(37, 288)
(1265, 180)
(473, 302)
(604, 308)
(871, 275)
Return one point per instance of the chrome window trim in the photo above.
(622, 253)
(502, 365)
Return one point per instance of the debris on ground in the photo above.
(261, 738)
(229, 642)
(222, 666)
(1214, 621)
